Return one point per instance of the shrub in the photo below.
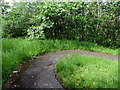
(92, 21)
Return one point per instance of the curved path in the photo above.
(40, 72)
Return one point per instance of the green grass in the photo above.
(79, 71)
(19, 50)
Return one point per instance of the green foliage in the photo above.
(19, 50)
(17, 20)
(91, 22)
(79, 71)
(36, 33)
(1, 53)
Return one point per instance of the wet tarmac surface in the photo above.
(40, 73)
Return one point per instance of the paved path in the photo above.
(40, 72)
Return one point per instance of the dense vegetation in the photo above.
(91, 22)
(87, 72)
(16, 51)
(32, 28)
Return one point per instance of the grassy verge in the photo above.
(18, 50)
(87, 72)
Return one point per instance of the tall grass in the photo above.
(18, 50)
(80, 71)
(0, 63)
(1, 24)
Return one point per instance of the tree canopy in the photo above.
(85, 21)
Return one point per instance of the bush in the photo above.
(92, 21)
(36, 33)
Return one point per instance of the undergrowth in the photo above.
(16, 51)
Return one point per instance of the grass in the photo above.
(17, 50)
(0, 73)
(79, 71)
